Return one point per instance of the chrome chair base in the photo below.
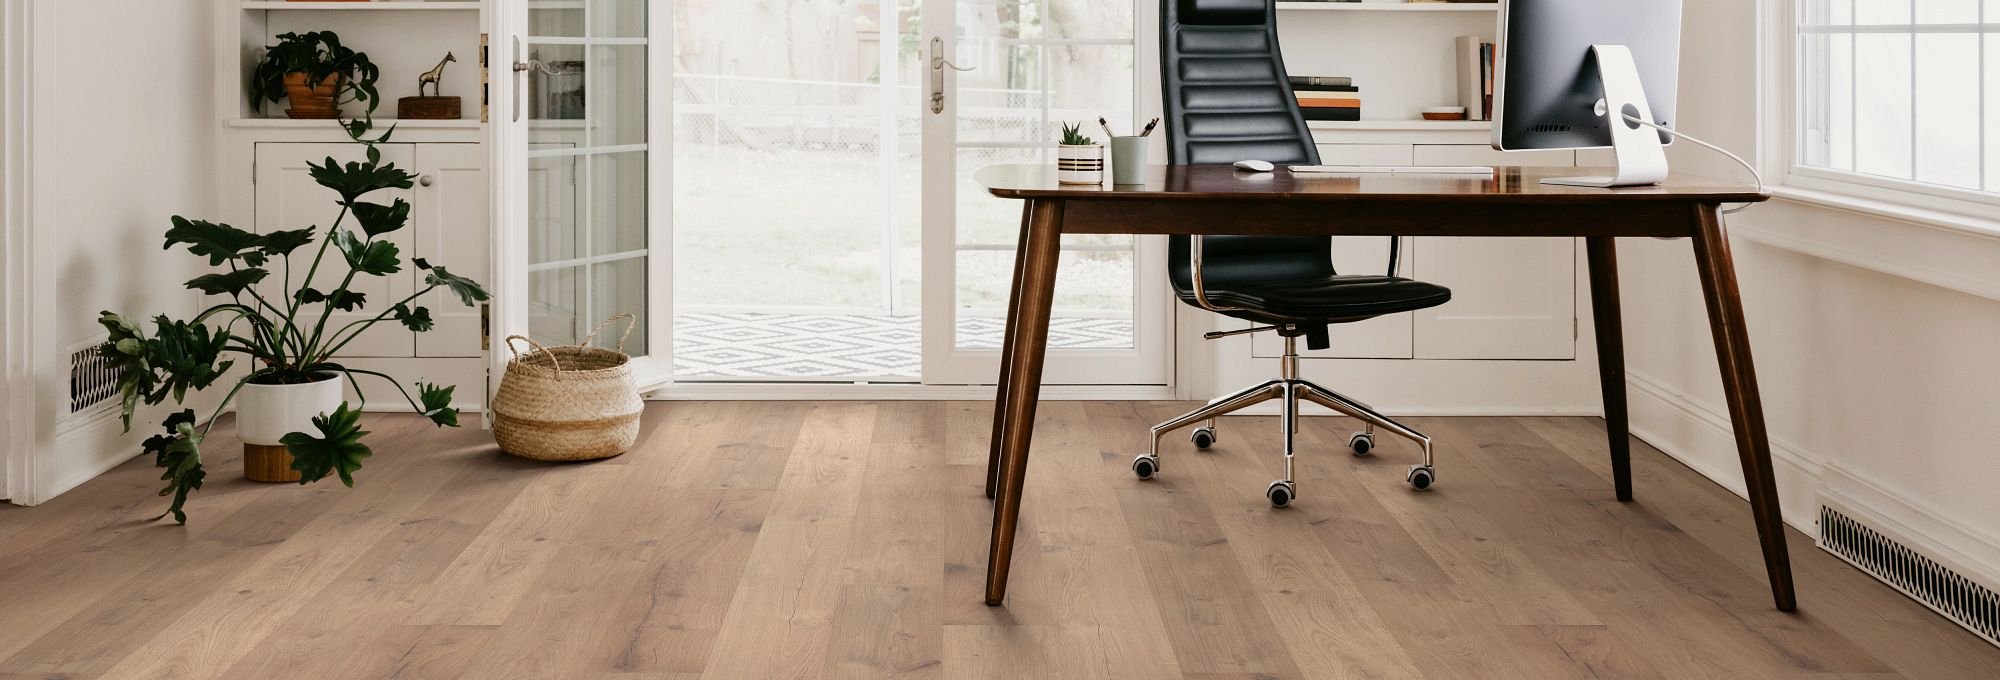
(1290, 388)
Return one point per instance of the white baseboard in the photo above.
(1699, 436)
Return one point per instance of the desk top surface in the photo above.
(1509, 184)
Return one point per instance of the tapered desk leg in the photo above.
(1739, 387)
(1024, 384)
(1001, 392)
(1603, 256)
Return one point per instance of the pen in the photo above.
(1149, 127)
(1101, 122)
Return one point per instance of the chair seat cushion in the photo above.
(1330, 299)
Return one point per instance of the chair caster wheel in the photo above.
(1281, 493)
(1203, 437)
(1145, 466)
(1421, 477)
(1362, 443)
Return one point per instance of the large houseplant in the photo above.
(283, 333)
(316, 72)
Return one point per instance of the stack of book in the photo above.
(1327, 97)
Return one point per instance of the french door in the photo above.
(606, 98)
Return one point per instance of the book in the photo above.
(1475, 77)
(1332, 113)
(1314, 82)
(1325, 88)
(1329, 103)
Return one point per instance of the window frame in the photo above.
(1782, 98)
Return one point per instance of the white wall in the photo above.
(122, 136)
(1875, 339)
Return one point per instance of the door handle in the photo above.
(938, 65)
(520, 79)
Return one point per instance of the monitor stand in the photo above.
(1641, 158)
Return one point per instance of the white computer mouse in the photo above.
(1255, 166)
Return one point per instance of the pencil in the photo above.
(1149, 127)
(1101, 122)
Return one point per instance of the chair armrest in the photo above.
(1194, 273)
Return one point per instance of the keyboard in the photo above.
(1474, 170)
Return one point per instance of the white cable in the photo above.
(1739, 159)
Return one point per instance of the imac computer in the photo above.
(1570, 72)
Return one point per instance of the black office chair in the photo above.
(1227, 100)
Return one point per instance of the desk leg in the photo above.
(1739, 386)
(1603, 256)
(1001, 392)
(1024, 384)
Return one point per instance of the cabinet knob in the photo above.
(424, 180)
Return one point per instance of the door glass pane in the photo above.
(1039, 65)
(797, 179)
(587, 184)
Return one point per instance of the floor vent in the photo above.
(93, 383)
(1974, 606)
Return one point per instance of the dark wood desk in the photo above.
(1218, 200)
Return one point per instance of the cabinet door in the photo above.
(287, 198)
(450, 227)
(1511, 298)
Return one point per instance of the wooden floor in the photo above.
(778, 540)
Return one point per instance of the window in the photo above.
(1900, 94)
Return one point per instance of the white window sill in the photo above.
(1899, 212)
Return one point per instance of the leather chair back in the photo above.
(1222, 81)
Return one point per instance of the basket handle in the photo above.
(538, 347)
(634, 323)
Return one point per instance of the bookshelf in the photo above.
(1388, 6)
(374, 6)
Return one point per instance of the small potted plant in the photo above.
(315, 72)
(1079, 159)
(290, 413)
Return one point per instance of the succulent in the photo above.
(1073, 135)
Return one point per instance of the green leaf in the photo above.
(379, 258)
(282, 243)
(418, 319)
(339, 451)
(437, 403)
(231, 283)
(353, 180)
(468, 290)
(179, 453)
(219, 242)
(343, 300)
(377, 219)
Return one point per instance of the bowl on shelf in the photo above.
(1444, 113)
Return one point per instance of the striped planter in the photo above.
(1080, 164)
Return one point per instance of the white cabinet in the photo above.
(1512, 299)
(448, 227)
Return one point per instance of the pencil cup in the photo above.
(1128, 160)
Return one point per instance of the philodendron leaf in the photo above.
(468, 290)
(282, 243)
(437, 403)
(219, 242)
(231, 283)
(179, 453)
(186, 355)
(353, 180)
(377, 219)
(379, 258)
(124, 351)
(418, 319)
(339, 450)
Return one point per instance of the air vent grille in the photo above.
(92, 381)
(1958, 598)
(1549, 127)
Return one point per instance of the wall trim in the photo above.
(1914, 249)
(17, 291)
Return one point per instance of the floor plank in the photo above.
(849, 539)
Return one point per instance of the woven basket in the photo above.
(571, 402)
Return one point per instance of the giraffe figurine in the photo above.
(434, 77)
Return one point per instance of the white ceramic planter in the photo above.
(266, 413)
(1080, 164)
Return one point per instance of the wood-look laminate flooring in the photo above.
(848, 540)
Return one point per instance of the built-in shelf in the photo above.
(375, 5)
(1391, 6)
(1410, 125)
(380, 124)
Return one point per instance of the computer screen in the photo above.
(1548, 86)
